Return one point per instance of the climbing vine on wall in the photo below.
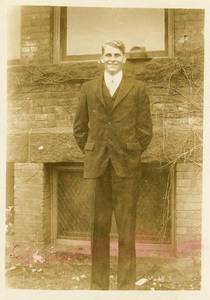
(177, 113)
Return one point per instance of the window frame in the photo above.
(84, 240)
(60, 39)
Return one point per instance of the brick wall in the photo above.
(189, 28)
(36, 32)
(10, 184)
(37, 24)
(42, 97)
(31, 204)
(188, 208)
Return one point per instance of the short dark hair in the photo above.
(116, 44)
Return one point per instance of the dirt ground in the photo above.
(48, 269)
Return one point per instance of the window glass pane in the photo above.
(13, 32)
(89, 27)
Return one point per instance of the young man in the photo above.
(113, 127)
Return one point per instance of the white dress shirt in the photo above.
(112, 81)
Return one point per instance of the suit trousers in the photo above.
(112, 193)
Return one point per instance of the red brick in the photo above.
(26, 21)
(178, 26)
(28, 207)
(51, 117)
(45, 15)
(188, 245)
(180, 18)
(42, 54)
(35, 179)
(29, 194)
(191, 239)
(190, 215)
(40, 35)
(45, 21)
(30, 210)
(179, 12)
(17, 147)
(26, 49)
(194, 12)
(45, 28)
(38, 110)
(48, 109)
(194, 18)
(188, 206)
(188, 222)
(62, 116)
(27, 185)
(194, 190)
(183, 182)
(42, 61)
(62, 123)
(38, 124)
(35, 20)
(44, 42)
(181, 230)
(194, 230)
(29, 166)
(189, 175)
(28, 173)
(41, 117)
(189, 198)
(51, 124)
(186, 167)
(36, 28)
(182, 191)
(26, 34)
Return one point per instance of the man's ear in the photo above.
(124, 59)
(101, 60)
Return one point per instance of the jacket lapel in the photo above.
(125, 87)
(97, 88)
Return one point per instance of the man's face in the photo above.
(113, 59)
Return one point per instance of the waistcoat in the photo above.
(109, 100)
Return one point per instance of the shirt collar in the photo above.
(116, 77)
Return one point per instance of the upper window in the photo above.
(13, 33)
(85, 29)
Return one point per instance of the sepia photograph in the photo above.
(104, 148)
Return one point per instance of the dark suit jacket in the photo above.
(120, 135)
